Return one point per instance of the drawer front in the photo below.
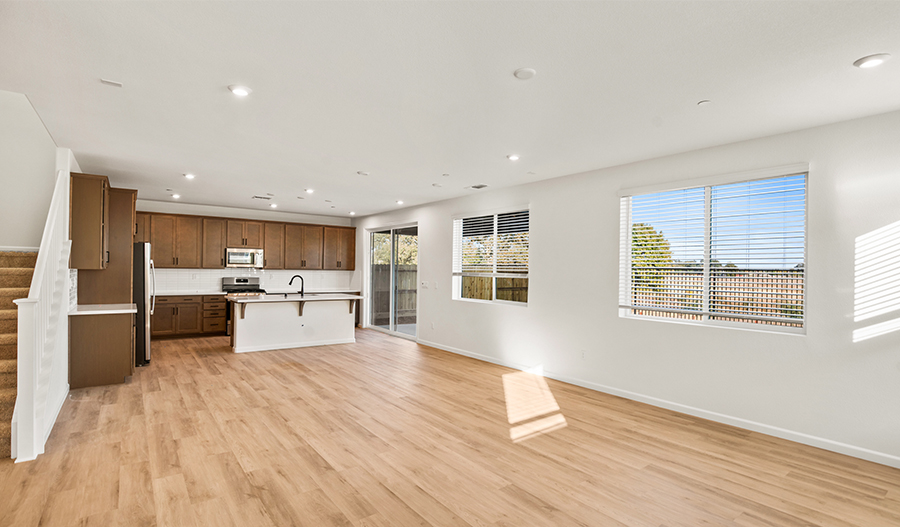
(188, 299)
(214, 313)
(220, 306)
(214, 298)
(213, 325)
(164, 299)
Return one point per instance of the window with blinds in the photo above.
(490, 257)
(728, 253)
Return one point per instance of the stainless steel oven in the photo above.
(244, 258)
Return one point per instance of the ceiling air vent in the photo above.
(262, 197)
(478, 186)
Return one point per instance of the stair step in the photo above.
(8, 366)
(9, 348)
(7, 379)
(9, 325)
(8, 294)
(18, 259)
(15, 276)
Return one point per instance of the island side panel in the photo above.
(277, 325)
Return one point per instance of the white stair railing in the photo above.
(43, 331)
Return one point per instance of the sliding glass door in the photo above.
(394, 276)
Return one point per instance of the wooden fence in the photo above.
(407, 278)
(481, 288)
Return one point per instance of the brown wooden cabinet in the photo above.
(195, 242)
(303, 246)
(273, 251)
(162, 240)
(339, 248)
(244, 234)
(101, 349)
(213, 243)
(214, 320)
(142, 227)
(188, 239)
(88, 221)
(175, 241)
(113, 285)
(177, 315)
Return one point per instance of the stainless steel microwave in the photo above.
(244, 258)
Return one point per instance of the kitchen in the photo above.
(186, 275)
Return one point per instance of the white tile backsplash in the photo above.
(210, 280)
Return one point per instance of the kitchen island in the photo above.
(291, 320)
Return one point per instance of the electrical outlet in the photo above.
(424, 284)
(435, 284)
(195, 276)
(583, 354)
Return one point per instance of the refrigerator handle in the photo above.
(153, 293)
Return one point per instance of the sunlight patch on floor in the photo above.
(528, 398)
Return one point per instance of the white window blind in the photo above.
(490, 256)
(731, 252)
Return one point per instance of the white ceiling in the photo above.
(408, 91)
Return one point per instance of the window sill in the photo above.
(498, 302)
(741, 326)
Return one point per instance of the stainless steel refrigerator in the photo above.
(145, 298)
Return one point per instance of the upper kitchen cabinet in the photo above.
(303, 246)
(88, 221)
(339, 248)
(113, 285)
(247, 234)
(213, 243)
(175, 241)
(142, 227)
(273, 252)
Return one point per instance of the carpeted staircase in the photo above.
(15, 278)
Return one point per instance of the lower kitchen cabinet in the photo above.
(101, 349)
(188, 315)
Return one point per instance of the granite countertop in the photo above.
(103, 309)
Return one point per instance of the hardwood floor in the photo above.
(387, 432)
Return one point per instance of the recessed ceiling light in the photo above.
(704, 102)
(446, 175)
(399, 202)
(327, 201)
(309, 191)
(361, 173)
(300, 197)
(189, 176)
(513, 157)
(115, 84)
(274, 206)
(438, 185)
(240, 91)
(353, 214)
(871, 61)
(176, 196)
(524, 73)
(332, 206)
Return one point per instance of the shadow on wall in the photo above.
(530, 405)
(877, 282)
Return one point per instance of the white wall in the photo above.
(821, 388)
(229, 212)
(27, 171)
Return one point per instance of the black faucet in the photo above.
(301, 282)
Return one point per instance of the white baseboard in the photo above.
(55, 414)
(19, 249)
(290, 345)
(791, 435)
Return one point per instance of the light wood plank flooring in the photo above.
(387, 432)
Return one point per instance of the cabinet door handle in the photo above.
(173, 260)
(176, 260)
(223, 262)
(107, 257)
(339, 264)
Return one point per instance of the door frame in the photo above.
(368, 280)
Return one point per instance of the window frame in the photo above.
(456, 277)
(625, 239)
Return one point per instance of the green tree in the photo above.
(651, 256)
(407, 249)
